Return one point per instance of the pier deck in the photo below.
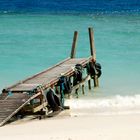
(50, 76)
(11, 104)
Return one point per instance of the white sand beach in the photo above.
(67, 127)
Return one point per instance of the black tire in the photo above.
(78, 74)
(92, 69)
(98, 66)
(99, 72)
(53, 100)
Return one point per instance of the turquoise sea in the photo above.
(30, 43)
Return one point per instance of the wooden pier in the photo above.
(45, 91)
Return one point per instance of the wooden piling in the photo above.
(93, 53)
(83, 89)
(89, 84)
(76, 93)
(73, 50)
(96, 81)
(92, 47)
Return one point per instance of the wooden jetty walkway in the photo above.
(45, 91)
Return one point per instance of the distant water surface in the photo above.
(68, 6)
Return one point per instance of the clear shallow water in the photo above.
(30, 43)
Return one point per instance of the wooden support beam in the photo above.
(83, 89)
(96, 81)
(76, 93)
(37, 114)
(38, 108)
(93, 53)
(81, 83)
(89, 84)
(92, 47)
(73, 49)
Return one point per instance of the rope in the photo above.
(62, 93)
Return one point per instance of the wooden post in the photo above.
(76, 92)
(96, 81)
(89, 84)
(83, 89)
(91, 39)
(92, 47)
(93, 53)
(73, 50)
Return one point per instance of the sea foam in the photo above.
(108, 105)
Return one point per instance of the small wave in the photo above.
(116, 104)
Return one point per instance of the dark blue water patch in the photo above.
(68, 5)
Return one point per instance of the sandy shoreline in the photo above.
(65, 127)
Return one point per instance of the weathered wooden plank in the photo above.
(12, 112)
(9, 102)
(25, 87)
(11, 106)
(38, 108)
